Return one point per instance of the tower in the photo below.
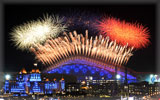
(6, 86)
(62, 82)
(35, 80)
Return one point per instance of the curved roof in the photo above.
(94, 63)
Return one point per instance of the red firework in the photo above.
(135, 35)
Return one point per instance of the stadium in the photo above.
(83, 67)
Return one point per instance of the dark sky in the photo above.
(143, 60)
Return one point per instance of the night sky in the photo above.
(143, 60)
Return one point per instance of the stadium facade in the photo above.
(83, 67)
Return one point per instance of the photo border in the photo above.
(85, 2)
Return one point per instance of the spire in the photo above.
(23, 71)
(33, 71)
(54, 79)
(62, 79)
(37, 71)
(47, 79)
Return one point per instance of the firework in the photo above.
(135, 35)
(31, 33)
(73, 44)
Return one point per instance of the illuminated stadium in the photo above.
(82, 67)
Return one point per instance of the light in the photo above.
(118, 76)
(83, 82)
(91, 78)
(35, 64)
(151, 75)
(7, 77)
(131, 98)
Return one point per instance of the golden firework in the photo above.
(73, 44)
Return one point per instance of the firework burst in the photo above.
(135, 35)
(74, 44)
(30, 33)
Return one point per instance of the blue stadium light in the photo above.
(109, 76)
(101, 74)
(86, 70)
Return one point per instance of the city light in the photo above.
(118, 76)
(151, 75)
(91, 78)
(35, 64)
(83, 82)
(7, 77)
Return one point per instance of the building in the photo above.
(72, 88)
(143, 88)
(32, 83)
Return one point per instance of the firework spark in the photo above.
(30, 33)
(135, 35)
(74, 44)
